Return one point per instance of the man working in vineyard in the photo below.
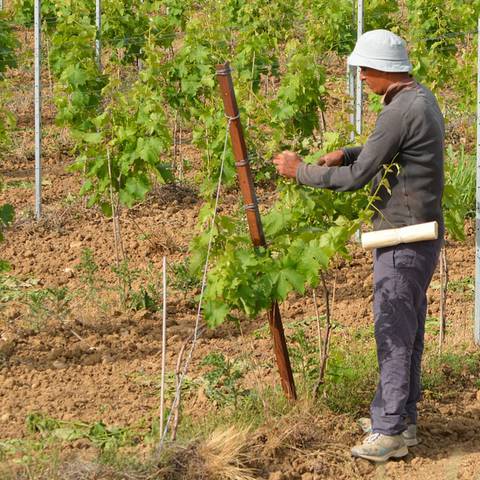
(409, 132)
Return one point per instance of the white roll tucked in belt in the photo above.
(394, 236)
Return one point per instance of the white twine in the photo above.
(199, 310)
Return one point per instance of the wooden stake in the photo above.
(253, 218)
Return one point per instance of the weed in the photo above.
(4, 266)
(223, 455)
(7, 214)
(107, 439)
(459, 193)
(144, 236)
(69, 200)
(25, 451)
(47, 303)
(432, 325)
(464, 285)
(11, 288)
(183, 278)
(223, 380)
(19, 184)
(145, 297)
(38, 311)
(449, 369)
(126, 276)
(304, 356)
(41, 304)
(152, 383)
(460, 172)
(350, 378)
(142, 300)
(261, 332)
(88, 269)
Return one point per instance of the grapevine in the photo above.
(121, 119)
(131, 139)
(72, 59)
(8, 59)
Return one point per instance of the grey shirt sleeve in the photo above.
(350, 154)
(381, 148)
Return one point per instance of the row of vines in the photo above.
(157, 77)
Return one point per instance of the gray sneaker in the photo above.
(409, 435)
(379, 448)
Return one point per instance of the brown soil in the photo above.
(97, 361)
(94, 366)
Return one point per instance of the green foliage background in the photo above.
(159, 64)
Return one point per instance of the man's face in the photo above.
(377, 81)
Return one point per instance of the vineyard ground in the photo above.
(77, 354)
(90, 359)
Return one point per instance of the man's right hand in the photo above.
(332, 159)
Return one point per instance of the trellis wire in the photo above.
(200, 301)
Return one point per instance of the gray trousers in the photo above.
(401, 276)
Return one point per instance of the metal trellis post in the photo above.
(351, 95)
(98, 23)
(359, 93)
(38, 110)
(253, 217)
(477, 216)
(351, 86)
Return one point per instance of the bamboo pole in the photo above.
(253, 217)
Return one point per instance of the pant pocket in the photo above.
(404, 256)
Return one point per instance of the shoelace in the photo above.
(372, 437)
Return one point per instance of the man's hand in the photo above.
(287, 163)
(332, 159)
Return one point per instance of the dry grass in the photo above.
(222, 456)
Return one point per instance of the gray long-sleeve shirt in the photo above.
(409, 132)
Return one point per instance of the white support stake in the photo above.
(98, 23)
(38, 109)
(477, 216)
(358, 97)
(164, 341)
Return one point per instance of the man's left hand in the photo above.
(287, 163)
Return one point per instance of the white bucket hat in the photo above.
(381, 50)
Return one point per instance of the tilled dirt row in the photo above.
(104, 365)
